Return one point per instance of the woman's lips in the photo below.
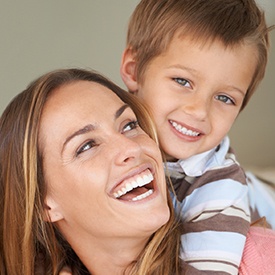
(136, 187)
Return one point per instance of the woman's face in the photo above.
(94, 157)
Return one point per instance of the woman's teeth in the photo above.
(142, 196)
(137, 181)
(184, 130)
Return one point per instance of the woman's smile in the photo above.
(136, 187)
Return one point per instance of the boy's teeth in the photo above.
(137, 181)
(184, 130)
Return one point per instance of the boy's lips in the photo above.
(184, 130)
(136, 187)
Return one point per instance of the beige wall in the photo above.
(253, 135)
(38, 36)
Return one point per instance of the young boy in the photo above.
(196, 64)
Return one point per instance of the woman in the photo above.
(82, 185)
(83, 188)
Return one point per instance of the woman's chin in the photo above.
(157, 219)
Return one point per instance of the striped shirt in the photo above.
(211, 196)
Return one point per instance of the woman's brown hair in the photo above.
(28, 244)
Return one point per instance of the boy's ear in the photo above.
(128, 70)
(52, 212)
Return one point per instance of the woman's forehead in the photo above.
(73, 106)
(77, 103)
(81, 91)
(80, 99)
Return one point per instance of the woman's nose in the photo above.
(126, 150)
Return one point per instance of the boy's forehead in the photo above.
(213, 57)
(208, 42)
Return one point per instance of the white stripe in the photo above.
(215, 267)
(212, 244)
(218, 255)
(228, 211)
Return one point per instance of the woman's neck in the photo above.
(108, 256)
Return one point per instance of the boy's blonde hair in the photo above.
(154, 23)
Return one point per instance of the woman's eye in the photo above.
(130, 126)
(182, 81)
(88, 145)
(225, 99)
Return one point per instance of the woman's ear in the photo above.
(52, 212)
(128, 70)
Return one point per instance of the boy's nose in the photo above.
(198, 108)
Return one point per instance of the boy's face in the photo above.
(195, 92)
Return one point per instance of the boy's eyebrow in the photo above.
(238, 89)
(90, 127)
(179, 66)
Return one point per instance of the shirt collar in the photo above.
(198, 164)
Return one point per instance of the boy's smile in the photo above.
(195, 91)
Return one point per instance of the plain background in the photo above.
(38, 36)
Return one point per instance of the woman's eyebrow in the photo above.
(84, 130)
(91, 127)
(120, 111)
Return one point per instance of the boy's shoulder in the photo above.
(215, 166)
(227, 175)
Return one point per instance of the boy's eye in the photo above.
(182, 81)
(130, 126)
(88, 145)
(225, 99)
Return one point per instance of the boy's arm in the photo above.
(215, 213)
